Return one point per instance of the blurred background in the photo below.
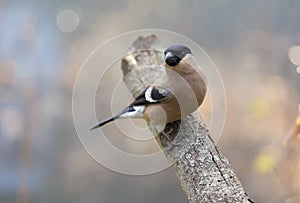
(255, 45)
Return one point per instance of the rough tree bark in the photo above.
(205, 175)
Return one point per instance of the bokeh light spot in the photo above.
(67, 21)
(294, 55)
(267, 160)
(264, 163)
(259, 108)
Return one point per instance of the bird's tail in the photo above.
(103, 122)
(128, 112)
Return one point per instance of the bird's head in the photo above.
(174, 54)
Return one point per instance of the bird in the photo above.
(174, 96)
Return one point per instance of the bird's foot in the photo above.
(166, 136)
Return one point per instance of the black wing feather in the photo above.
(157, 95)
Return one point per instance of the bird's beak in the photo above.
(171, 59)
(168, 56)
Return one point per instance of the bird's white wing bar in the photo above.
(148, 93)
(151, 95)
(156, 94)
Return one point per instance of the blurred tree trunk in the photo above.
(205, 175)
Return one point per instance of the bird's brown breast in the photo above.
(188, 88)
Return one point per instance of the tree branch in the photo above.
(205, 175)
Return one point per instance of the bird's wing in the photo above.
(152, 95)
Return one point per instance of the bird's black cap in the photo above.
(175, 53)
